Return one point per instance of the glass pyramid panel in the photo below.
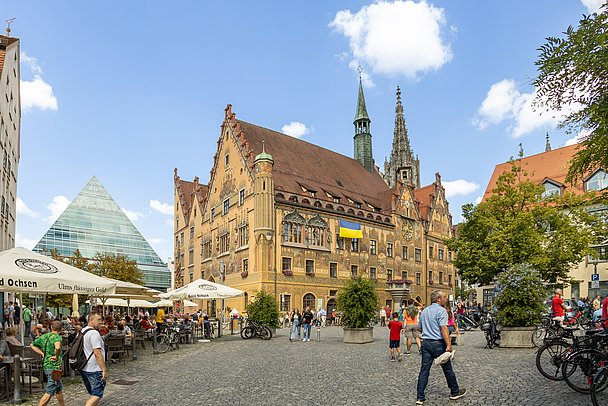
(93, 223)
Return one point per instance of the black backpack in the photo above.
(76, 355)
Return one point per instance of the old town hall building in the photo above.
(278, 211)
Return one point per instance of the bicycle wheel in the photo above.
(538, 336)
(265, 333)
(162, 343)
(579, 369)
(489, 340)
(549, 359)
(599, 394)
(247, 333)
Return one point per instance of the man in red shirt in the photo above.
(396, 328)
(558, 306)
(605, 312)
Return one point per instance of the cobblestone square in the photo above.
(232, 371)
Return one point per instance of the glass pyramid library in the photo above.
(93, 223)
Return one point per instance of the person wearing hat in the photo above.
(436, 342)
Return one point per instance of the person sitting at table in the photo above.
(37, 331)
(145, 324)
(127, 331)
(10, 336)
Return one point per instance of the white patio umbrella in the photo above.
(24, 271)
(202, 289)
(113, 301)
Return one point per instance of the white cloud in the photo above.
(21, 241)
(504, 102)
(164, 208)
(26, 211)
(133, 215)
(36, 93)
(31, 62)
(56, 207)
(593, 6)
(459, 187)
(398, 38)
(577, 138)
(295, 129)
(478, 199)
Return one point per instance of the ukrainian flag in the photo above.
(350, 230)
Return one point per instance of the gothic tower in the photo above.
(402, 164)
(263, 212)
(363, 135)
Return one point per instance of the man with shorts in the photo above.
(558, 306)
(49, 348)
(396, 328)
(94, 372)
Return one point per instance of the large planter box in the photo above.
(516, 337)
(358, 335)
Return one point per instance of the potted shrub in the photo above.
(358, 303)
(264, 309)
(519, 299)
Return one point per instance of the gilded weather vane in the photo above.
(8, 26)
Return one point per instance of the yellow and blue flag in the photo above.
(350, 230)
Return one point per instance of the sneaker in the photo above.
(420, 402)
(458, 395)
(392, 359)
(408, 353)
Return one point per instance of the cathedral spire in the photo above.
(361, 108)
(402, 164)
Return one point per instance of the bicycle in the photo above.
(599, 394)
(254, 329)
(492, 333)
(168, 339)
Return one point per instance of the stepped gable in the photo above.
(549, 165)
(299, 164)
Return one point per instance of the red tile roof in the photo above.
(298, 164)
(425, 196)
(551, 165)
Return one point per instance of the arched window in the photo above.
(316, 231)
(597, 181)
(293, 226)
(309, 301)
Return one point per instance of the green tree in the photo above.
(520, 296)
(572, 73)
(116, 266)
(516, 225)
(358, 302)
(264, 309)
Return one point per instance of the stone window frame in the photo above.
(418, 278)
(306, 262)
(372, 273)
(404, 252)
(241, 197)
(373, 247)
(418, 255)
(354, 271)
(226, 206)
(389, 274)
(283, 264)
(440, 254)
(389, 249)
(331, 274)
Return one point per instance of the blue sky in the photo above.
(127, 91)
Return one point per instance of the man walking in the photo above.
(27, 319)
(94, 372)
(49, 347)
(433, 323)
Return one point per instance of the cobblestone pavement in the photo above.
(232, 371)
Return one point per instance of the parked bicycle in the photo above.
(255, 329)
(168, 339)
(491, 331)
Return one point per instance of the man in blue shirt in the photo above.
(433, 323)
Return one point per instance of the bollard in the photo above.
(134, 344)
(318, 332)
(17, 377)
(154, 340)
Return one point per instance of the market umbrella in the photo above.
(132, 303)
(24, 271)
(202, 289)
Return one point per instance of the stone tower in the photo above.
(402, 164)
(264, 229)
(363, 136)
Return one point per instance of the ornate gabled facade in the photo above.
(271, 215)
(402, 166)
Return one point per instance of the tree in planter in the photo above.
(264, 309)
(519, 298)
(358, 302)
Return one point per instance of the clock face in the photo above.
(407, 230)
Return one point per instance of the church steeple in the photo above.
(363, 136)
(402, 164)
(547, 143)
